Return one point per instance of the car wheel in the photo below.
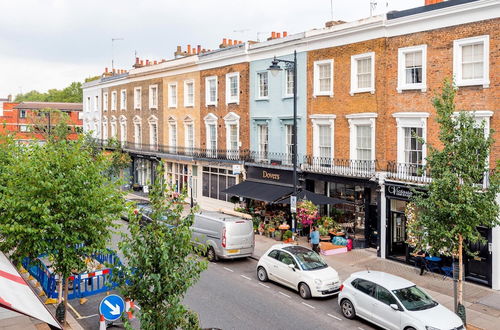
(304, 291)
(211, 256)
(409, 328)
(348, 309)
(262, 274)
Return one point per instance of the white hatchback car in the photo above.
(299, 268)
(392, 302)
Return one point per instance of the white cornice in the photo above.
(362, 115)
(410, 115)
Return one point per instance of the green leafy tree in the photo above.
(92, 78)
(162, 262)
(72, 93)
(462, 195)
(54, 200)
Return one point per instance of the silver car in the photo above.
(225, 236)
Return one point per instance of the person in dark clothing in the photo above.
(420, 260)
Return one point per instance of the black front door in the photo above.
(397, 243)
(478, 267)
(371, 226)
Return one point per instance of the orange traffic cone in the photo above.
(102, 323)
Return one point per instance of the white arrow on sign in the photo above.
(115, 310)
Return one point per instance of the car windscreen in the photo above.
(309, 260)
(414, 299)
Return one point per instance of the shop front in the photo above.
(144, 171)
(356, 207)
(182, 176)
(478, 268)
(215, 178)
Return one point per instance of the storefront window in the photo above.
(215, 180)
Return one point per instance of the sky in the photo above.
(48, 44)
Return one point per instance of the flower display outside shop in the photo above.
(412, 230)
(307, 213)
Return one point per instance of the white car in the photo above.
(299, 268)
(392, 302)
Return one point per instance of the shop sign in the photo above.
(236, 169)
(399, 192)
(293, 204)
(268, 174)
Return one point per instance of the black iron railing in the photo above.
(408, 172)
(345, 167)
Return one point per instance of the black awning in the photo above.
(259, 191)
(315, 198)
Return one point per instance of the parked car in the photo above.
(299, 268)
(225, 236)
(392, 302)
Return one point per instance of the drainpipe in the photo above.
(383, 217)
(495, 255)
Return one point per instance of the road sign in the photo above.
(112, 307)
(236, 169)
(293, 204)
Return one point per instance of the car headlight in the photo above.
(428, 327)
(318, 281)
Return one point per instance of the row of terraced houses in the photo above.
(220, 119)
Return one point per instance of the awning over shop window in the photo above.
(315, 198)
(259, 191)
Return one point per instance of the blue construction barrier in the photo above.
(80, 285)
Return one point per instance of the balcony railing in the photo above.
(408, 172)
(271, 158)
(344, 167)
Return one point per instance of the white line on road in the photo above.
(229, 270)
(248, 278)
(78, 316)
(337, 318)
(284, 294)
(308, 305)
(360, 328)
(266, 286)
(86, 317)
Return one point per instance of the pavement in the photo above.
(482, 304)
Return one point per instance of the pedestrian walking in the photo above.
(420, 260)
(314, 235)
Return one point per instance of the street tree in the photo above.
(55, 201)
(462, 194)
(162, 262)
(72, 93)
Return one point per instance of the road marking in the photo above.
(86, 317)
(308, 305)
(229, 270)
(284, 294)
(266, 286)
(337, 318)
(360, 328)
(78, 316)
(248, 278)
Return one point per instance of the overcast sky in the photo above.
(50, 43)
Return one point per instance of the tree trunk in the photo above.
(59, 290)
(66, 299)
(460, 270)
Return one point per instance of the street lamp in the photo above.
(275, 69)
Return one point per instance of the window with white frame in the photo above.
(189, 93)
(113, 128)
(137, 132)
(153, 97)
(113, 100)
(123, 129)
(323, 129)
(189, 134)
(471, 61)
(172, 95)
(233, 87)
(172, 134)
(362, 136)
(411, 152)
(288, 82)
(105, 102)
(137, 98)
(96, 103)
(211, 90)
(323, 78)
(263, 137)
(262, 85)
(123, 99)
(23, 128)
(104, 128)
(153, 133)
(211, 134)
(363, 73)
(88, 104)
(412, 68)
(232, 122)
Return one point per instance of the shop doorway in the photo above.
(397, 245)
(371, 226)
(478, 267)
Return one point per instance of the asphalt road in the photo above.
(229, 296)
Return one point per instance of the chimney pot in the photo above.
(136, 60)
(273, 35)
(285, 34)
(189, 49)
(179, 49)
(431, 2)
(278, 35)
(230, 42)
(114, 71)
(198, 49)
(147, 62)
(105, 70)
(163, 60)
(224, 41)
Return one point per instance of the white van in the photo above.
(226, 236)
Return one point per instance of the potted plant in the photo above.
(287, 236)
(277, 235)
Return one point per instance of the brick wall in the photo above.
(222, 109)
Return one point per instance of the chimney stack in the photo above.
(198, 49)
(431, 2)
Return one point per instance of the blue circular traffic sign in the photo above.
(112, 307)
